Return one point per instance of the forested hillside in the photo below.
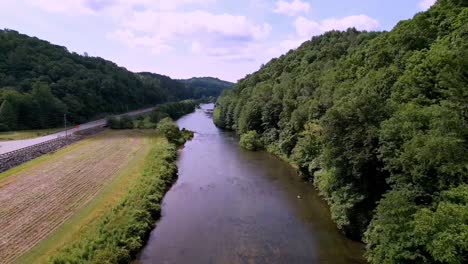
(378, 122)
(39, 82)
(207, 85)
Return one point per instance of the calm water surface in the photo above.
(234, 206)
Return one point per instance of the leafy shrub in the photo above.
(113, 122)
(157, 115)
(186, 134)
(217, 117)
(144, 123)
(250, 140)
(308, 148)
(170, 130)
(123, 122)
(126, 122)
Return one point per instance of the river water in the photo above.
(234, 206)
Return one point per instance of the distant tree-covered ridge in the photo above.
(207, 86)
(379, 122)
(39, 82)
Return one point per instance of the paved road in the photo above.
(7, 146)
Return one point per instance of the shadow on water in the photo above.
(234, 206)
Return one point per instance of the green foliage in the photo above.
(207, 86)
(249, 118)
(126, 122)
(8, 116)
(113, 122)
(144, 122)
(42, 81)
(250, 140)
(378, 121)
(122, 122)
(326, 182)
(444, 230)
(50, 109)
(161, 113)
(122, 232)
(157, 115)
(418, 230)
(217, 118)
(390, 236)
(38, 109)
(171, 131)
(426, 146)
(343, 204)
(308, 148)
(174, 110)
(343, 200)
(186, 135)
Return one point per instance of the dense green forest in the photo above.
(40, 82)
(378, 122)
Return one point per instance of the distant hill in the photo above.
(197, 86)
(40, 82)
(169, 85)
(207, 85)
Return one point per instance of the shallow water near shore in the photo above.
(234, 206)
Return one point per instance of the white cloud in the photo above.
(223, 36)
(426, 4)
(95, 7)
(249, 51)
(77, 7)
(162, 26)
(157, 46)
(291, 8)
(173, 24)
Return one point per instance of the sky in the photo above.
(187, 38)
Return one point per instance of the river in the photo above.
(230, 205)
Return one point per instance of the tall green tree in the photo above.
(8, 116)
